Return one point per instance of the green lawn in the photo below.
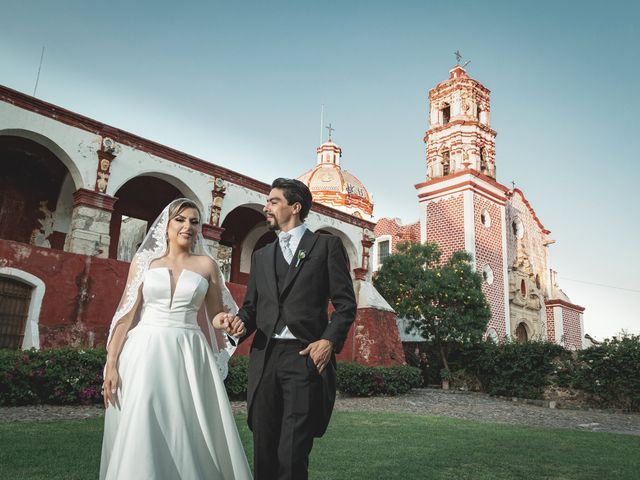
(364, 446)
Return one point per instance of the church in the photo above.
(463, 207)
(77, 195)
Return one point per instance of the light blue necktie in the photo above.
(284, 246)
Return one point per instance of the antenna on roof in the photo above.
(321, 122)
(39, 68)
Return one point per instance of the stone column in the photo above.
(90, 220)
(212, 235)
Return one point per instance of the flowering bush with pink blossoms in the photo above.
(56, 376)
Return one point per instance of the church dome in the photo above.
(337, 188)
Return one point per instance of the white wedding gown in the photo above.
(174, 420)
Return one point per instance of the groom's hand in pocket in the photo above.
(320, 353)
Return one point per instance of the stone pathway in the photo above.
(468, 406)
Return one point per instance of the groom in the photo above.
(292, 365)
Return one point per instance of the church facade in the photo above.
(463, 207)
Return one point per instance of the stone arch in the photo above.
(31, 333)
(53, 147)
(352, 251)
(178, 183)
(244, 231)
(139, 202)
(32, 188)
(523, 331)
(228, 207)
(256, 238)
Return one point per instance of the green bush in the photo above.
(514, 369)
(60, 376)
(362, 381)
(611, 371)
(69, 376)
(237, 378)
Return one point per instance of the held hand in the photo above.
(221, 320)
(110, 386)
(320, 353)
(236, 327)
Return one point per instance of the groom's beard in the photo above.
(273, 224)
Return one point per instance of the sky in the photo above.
(241, 84)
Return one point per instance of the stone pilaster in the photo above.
(90, 220)
(212, 235)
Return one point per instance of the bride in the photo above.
(167, 412)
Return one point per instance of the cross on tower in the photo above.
(459, 58)
(331, 129)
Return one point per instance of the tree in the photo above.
(443, 301)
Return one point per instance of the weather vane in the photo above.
(331, 129)
(459, 58)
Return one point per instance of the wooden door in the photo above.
(15, 298)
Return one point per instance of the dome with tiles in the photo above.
(334, 187)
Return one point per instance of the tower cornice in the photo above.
(460, 123)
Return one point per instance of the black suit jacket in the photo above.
(322, 275)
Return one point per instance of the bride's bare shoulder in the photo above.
(207, 265)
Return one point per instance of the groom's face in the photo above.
(278, 211)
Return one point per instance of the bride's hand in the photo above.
(221, 320)
(110, 385)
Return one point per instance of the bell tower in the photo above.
(462, 206)
(459, 135)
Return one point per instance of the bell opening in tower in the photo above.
(445, 162)
(446, 114)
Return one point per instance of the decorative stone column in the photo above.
(90, 220)
(212, 232)
(212, 235)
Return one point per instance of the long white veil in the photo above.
(154, 246)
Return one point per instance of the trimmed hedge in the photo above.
(611, 371)
(362, 381)
(514, 369)
(72, 376)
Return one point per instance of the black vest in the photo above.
(282, 267)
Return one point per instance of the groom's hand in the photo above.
(236, 327)
(320, 353)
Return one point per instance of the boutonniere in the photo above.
(301, 256)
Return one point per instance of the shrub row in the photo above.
(513, 369)
(362, 381)
(71, 376)
(60, 376)
(609, 373)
